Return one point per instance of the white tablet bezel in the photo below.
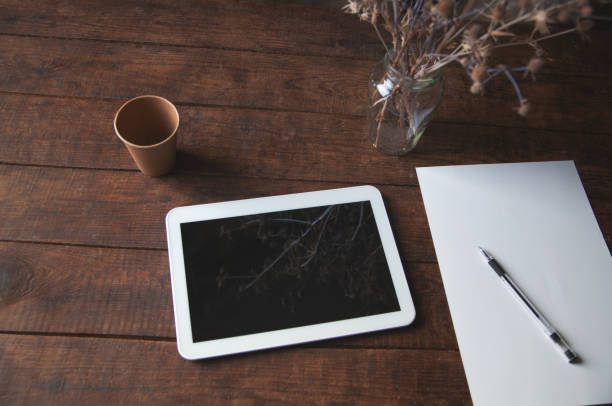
(225, 346)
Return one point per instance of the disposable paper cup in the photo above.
(147, 126)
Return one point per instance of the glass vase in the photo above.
(400, 107)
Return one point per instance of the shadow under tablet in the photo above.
(272, 271)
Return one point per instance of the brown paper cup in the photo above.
(147, 126)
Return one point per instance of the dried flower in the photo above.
(472, 32)
(564, 15)
(353, 7)
(534, 65)
(523, 109)
(541, 19)
(539, 51)
(498, 11)
(426, 35)
(586, 11)
(477, 88)
(583, 26)
(446, 8)
(479, 73)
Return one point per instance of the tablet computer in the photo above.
(280, 270)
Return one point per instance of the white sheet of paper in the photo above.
(536, 220)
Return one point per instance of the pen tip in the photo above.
(485, 254)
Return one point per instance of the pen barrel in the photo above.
(522, 298)
(540, 320)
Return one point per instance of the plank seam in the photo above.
(216, 175)
(111, 247)
(188, 104)
(173, 340)
(247, 50)
(278, 110)
(170, 44)
(87, 335)
(78, 245)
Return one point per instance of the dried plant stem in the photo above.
(316, 247)
(536, 40)
(427, 35)
(512, 80)
(381, 38)
(359, 223)
(289, 248)
(402, 112)
(379, 119)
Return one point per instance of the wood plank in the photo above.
(120, 292)
(61, 370)
(320, 147)
(68, 206)
(60, 205)
(186, 75)
(230, 24)
(60, 289)
(271, 27)
(281, 82)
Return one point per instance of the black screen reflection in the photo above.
(272, 271)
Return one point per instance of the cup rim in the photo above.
(178, 120)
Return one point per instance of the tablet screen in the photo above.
(284, 269)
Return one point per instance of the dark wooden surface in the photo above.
(272, 100)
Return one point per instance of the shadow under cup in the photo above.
(147, 125)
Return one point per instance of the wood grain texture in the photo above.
(122, 292)
(62, 370)
(78, 133)
(272, 27)
(272, 98)
(94, 69)
(60, 289)
(127, 209)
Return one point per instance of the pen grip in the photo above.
(496, 267)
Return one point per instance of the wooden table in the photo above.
(272, 98)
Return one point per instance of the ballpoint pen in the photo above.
(548, 328)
